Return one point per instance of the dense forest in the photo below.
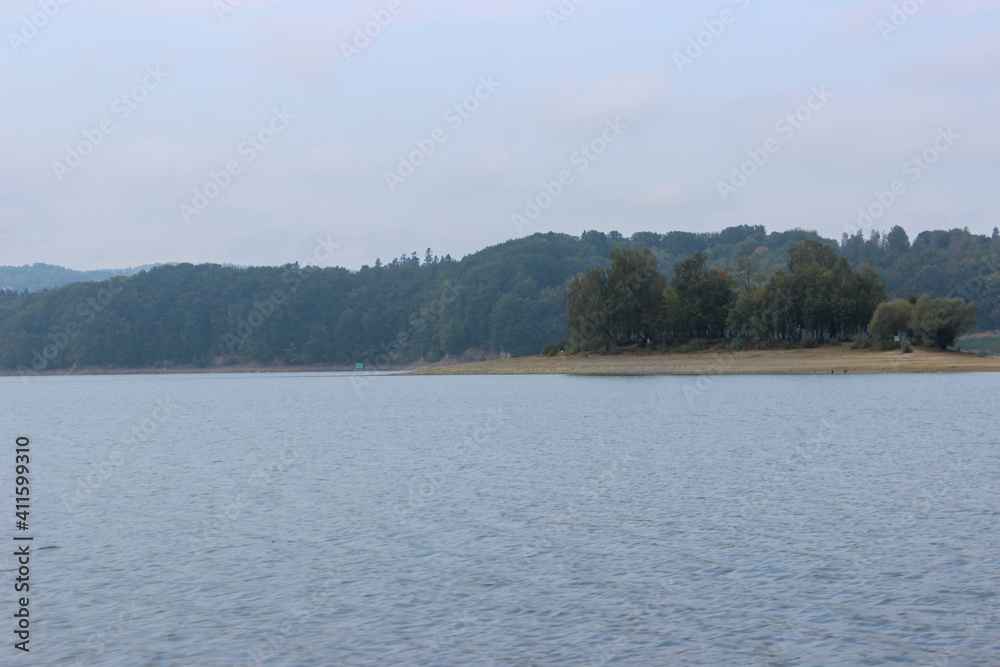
(509, 298)
(38, 276)
(821, 299)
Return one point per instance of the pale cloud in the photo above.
(965, 66)
(353, 120)
(862, 17)
(333, 156)
(963, 7)
(492, 163)
(659, 195)
(345, 15)
(571, 107)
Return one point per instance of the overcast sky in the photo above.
(116, 114)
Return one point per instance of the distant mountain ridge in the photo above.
(507, 298)
(40, 276)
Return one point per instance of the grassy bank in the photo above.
(821, 360)
(803, 361)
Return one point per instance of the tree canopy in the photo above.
(510, 298)
(941, 321)
(821, 296)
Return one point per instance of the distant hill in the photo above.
(38, 276)
(506, 298)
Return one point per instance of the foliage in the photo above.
(820, 297)
(512, 297)
(698, 301)
(861, 342)
(890, 318)
(612, 305)
(505, 298)
(38, 276)
(696, 345)
(941, 321)
(555, 347)
(953, 264)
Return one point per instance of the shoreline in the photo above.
(194, 370)
(820, 360)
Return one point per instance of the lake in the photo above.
(348, 519)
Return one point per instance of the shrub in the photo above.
(810, 342)
(737, 344)
(941, 322)
(861, 342)
(890, 318)
(555, 347)
(907, 348)
(697, 345)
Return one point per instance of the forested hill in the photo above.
(38, 276)
(505, 298)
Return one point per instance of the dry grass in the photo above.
(712, 362)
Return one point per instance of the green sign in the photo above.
(359, 366)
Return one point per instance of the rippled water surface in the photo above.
(328, 519)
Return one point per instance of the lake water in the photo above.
(325, 519)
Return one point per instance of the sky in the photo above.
(262, 132)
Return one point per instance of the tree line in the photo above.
(819, 297)
(508, 298)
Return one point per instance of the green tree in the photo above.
(811, 252)
(699, 299)
(589, 307)
(890, 318)
(897, 240)
(941, 321)
(616, 304)
(744, 318)
(636, 288)
(989, 302)
(746, 270)
(349, 334)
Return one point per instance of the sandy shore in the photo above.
(639, 362)
(753, 362)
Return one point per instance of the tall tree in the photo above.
(941, 321)
(699, 299)
(890, 318)
(746, 269)
(897, 240)
(589, 308)
(615, 304)
(636, 287)
(811, 252)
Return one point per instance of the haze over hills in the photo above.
(506, 298)
(40, 276)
